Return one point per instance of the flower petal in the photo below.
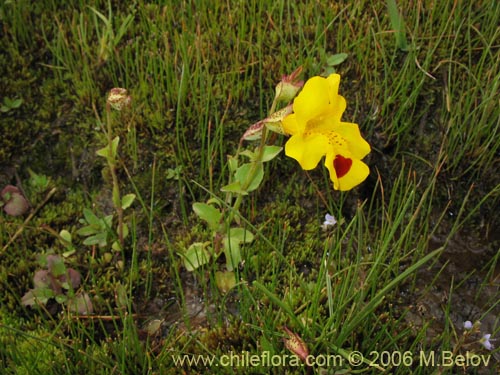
(358, 147)
(313, 100)
(337, 102)
(346, 172)
(307, 149)
(291, 125)
(342, 165)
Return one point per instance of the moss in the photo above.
(29, 353)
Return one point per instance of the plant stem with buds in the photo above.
(112, 169)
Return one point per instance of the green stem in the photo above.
(253, 170)
(112, 169)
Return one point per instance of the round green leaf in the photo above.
(208, 213)
(196, 256)
(127, 200)
(243, 174)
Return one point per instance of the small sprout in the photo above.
(9, 104)
(174, 173)
(54, 282)
(332, 61)
(14, 202)
(97, 230)
(38, 182)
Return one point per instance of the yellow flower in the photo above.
(316, 130)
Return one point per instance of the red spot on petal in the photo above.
(342, 165)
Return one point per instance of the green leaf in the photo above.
(241, 235)
(91, 218)
(225, 281)
(398, 25)
(234, 187)
(270, 152)
(232, 246)
(107, 222)
(127, 200)
(86, 231)
(208, 213)
(43, 295)
(68, 253)
(249, 154)
(105, 151)
(116, 246)
(336, 59)
(196, 255)
(114, 147)
(99, 239)
(121, 295)
(232, 162)
(243, 174)
(214, 201)
(11, 104)
(92, 240)
(57, 267)
(38, 181)
(232, 252)
(16, 103)
(125, 230)
(61, 298)
(66, 236)
(37, 296)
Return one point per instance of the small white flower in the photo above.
(468, 324)
(330, 221)
(485, 341)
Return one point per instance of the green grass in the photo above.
(415, 252)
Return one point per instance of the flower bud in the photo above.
(273, 123)
(289, 86)
(118, 98)
(296, 345)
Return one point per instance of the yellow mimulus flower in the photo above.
(316, 130)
